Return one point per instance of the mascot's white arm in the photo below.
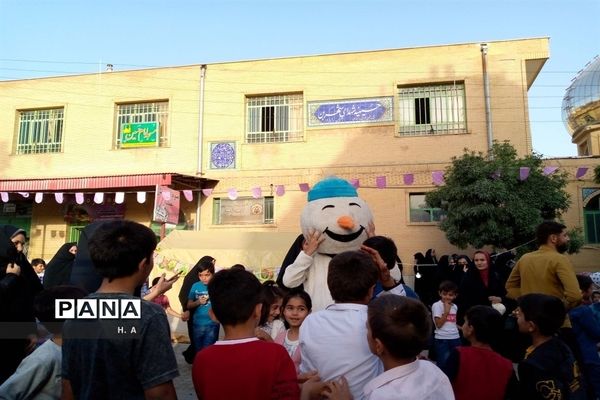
(297, 272)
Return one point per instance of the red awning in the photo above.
(94, 182)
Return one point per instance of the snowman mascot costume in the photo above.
(334, 220)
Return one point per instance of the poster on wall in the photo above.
(166, 205)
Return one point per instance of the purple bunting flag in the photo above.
(188, 194)
(304, 187)
(59, 197)
(381, 182)
(279, 190)
(409, 179)
(355, 182)
(549, 170)
(257, 192)
(437, 177)
(39, 197)
(207, 192)
(232, 194)
(581, 171)
(524, 173)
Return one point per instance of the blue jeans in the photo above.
(204, 336)
(443, 348)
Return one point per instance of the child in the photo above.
(389, 254)
(549, 369)
(39, 266)
(333, 341)
(586, 329)
(476, 371)
(296, 306)
(38, 375)
(107, 359)
(205, 331)
(241, 366)
(446, 336)
(163, 301)
(270, 325)
(398, 330)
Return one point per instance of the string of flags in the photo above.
(437, 178)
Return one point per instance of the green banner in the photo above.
(143, 134)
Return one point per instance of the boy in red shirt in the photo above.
(240, 366)
(476, 371)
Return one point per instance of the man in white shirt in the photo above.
(334, 341)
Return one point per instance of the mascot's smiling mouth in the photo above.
(344, 238)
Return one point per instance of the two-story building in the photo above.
(240, 142)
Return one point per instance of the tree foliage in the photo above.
(487, 204)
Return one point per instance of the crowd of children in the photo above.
(369, 344)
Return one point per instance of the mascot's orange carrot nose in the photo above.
(346, 222)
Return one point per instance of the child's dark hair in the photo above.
(299, 293)
(44, 305)
(207, 265)
(238, 266)
(233, 295)
(486, 323)
(546, 312)
(448, 286)
(118, 247)
(584, 281)
(351, 275)
(37, 261)
(402, 324)
(270, 293)
(386, 247)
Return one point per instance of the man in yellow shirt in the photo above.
(547, 270)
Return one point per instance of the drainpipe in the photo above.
(486, 93)
(200, 140)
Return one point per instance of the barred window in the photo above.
(274, 118)
(243, 211)
(149, 116)
(419, 212)
(433, 109)
(40, 131)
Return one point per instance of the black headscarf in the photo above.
(83, 273)
(289, 259)
(16, 303)
(58, 270)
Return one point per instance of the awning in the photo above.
(104, 182)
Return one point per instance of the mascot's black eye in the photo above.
(355, 204)
(328, 206)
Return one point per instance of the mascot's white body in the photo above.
(335, 210)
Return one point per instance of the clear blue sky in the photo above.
(55, 37)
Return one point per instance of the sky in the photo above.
(58, 37)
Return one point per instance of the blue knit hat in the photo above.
(332, 187)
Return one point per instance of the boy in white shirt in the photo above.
(398, 330)
(334, 341)
(446, 336)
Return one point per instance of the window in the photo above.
(40, 131)
(591, 219)
(143, 114)
(438, 109)
(274, 118)
(243, 211)
(419, 212)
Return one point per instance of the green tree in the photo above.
(487, 204)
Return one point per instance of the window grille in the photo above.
(40, 131)
(434, 110)
(420, 212)
(143, 112)
(243, 210)
(274, 118)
